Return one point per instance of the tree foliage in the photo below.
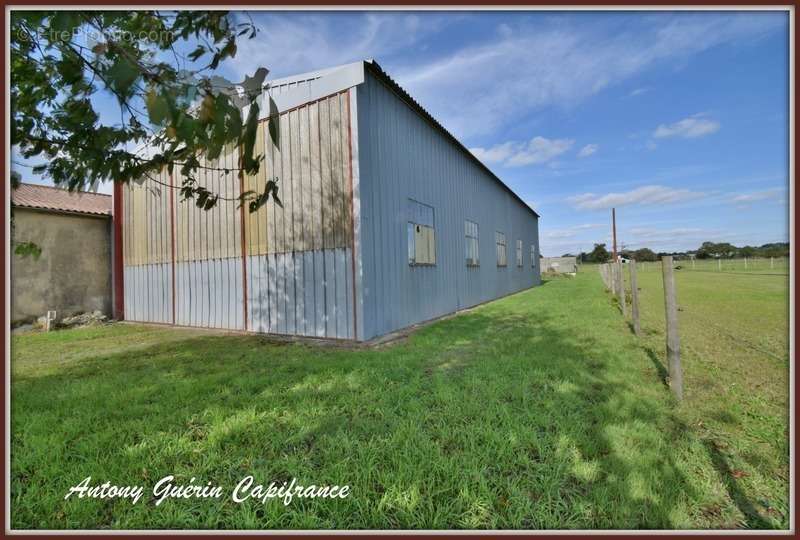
(599, 254)
(169, 102)
(716, 250)
(644, 255)
(724, 250)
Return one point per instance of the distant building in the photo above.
(560, 265)
(73, 273)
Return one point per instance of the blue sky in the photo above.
(679, 120)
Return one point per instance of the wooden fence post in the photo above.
(621, 289)
(771, 263)
(673, 339)
(634, 299)
(719, 265)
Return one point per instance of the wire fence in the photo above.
(700, 316)
(755, 265)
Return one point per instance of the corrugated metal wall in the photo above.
(300, 271)
(147, 251)
(208, 250)
(297, 277)
(295, 269)
(401, 157)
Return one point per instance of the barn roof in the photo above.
(289, 92)
(60, 200)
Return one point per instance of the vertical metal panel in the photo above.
(402, 156)
(298, 257)
(319, 293)
(146, 250)
(355, 173)
(301, 286)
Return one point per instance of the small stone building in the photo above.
(560, 265)
(73, 272)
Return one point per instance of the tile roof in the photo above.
(60, 200)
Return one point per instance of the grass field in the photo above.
(734, 329)
(540, 410)
(776, 265)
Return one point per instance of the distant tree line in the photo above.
(707, 250)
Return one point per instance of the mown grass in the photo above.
(540, 410)
(734, 330)
(778, 265)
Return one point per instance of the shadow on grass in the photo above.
(503, 417)
(745, 506)
(753, 519)
(663, 374)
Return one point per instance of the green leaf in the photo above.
(63, 21)
(197, 53)
(273, 123)
(28, 249)
(157, 108)
(122, 75)
(254, 86)
(248, 141)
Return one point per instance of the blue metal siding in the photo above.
(402, 156)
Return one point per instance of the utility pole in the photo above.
(614, 234)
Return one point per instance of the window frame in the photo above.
(498, 236)
(520, 256)
(413, 207)
(469, 240)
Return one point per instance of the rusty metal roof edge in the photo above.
(378, 71)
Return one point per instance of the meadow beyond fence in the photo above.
(761, 265)
(733, 325)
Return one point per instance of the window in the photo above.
(471, 243)
(533, 256)
(500, 242)
(519, 253)
(421, 234)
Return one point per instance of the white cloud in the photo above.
(516, 154)
(480, 88)
(670, 238)
(653, 194)
(505, 30)
(588, 150)
(688, 128)
(773, 193)
(570, 232)
(494, 79)
(654, 234)
(293, 43)
(637, 92)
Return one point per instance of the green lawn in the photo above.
(734, 330)
(540, 410)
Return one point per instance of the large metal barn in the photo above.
(387, 221)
